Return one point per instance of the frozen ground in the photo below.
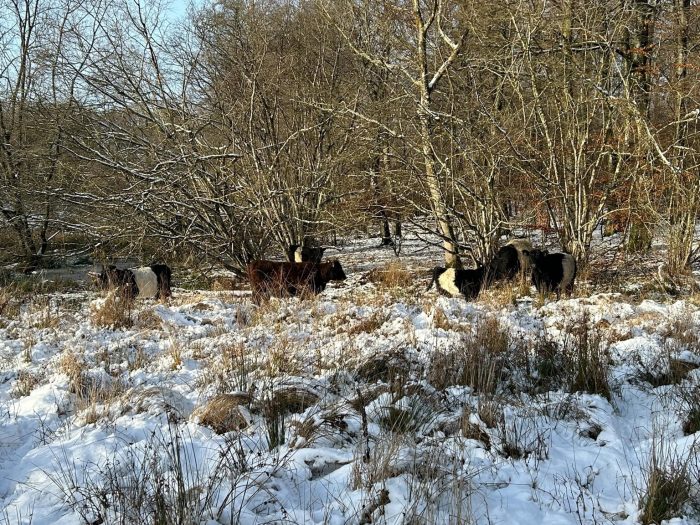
(375, 402)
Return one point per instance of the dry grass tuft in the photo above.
(175, 352)
(473, 430)
(391, 276)
(94, 402)
(229, 370)
(313, 427)
(233, 360)
(291, 400)
(376, 464)
(691, 422)
(48, 313)
(480, 360)
(26, 382)
(440, 319)
(580, 363)
(28, 342)
(223, 413)
(114, 311)
(520, 437)
(667, 492)
(502, 294)
(74, 367)
(390, 368)
(689, 397)
(369, 324)
(148, 319)
(92, 397)
(276, 403)
(222, 283)
(10, 303)
(668, 484)
(282, 358)
(490, 411)
(365, 394)
(137, 360)
(407, 419)
(666, 369)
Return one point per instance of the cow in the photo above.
(145, 282)
(282, 279)
(552, 272)
(509, 261)
(458, 282)
(297, 253)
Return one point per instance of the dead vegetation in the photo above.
(481, 359)
(668, 481)
(578, 363)
(26, 381)
(223, 413)
(391, 276)
(113, 311)
(369, 324)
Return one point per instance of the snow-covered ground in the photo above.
(374, 402)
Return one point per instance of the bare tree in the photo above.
(576, 152)
(167, 157)
(426, 42)
(35, 105)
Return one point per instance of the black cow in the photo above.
(146, 282)
(552, 272)
(458, 282)
(280, 279)
(509, 261)
(297, 253)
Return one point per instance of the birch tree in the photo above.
(576, 150)
(427, 40)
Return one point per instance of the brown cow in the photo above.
(282, 279)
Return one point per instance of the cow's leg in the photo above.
(163, 291)
(570, 289)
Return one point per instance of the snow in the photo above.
(361, 432)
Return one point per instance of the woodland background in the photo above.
(249, 126)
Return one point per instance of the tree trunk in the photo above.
(435, 194)
(685, 199)
(437, 202)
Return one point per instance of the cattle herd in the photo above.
(551, 272)
(305, 273)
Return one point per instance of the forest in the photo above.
(245, 127)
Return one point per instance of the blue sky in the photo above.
(178, 8)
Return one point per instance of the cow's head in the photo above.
(106, 278)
